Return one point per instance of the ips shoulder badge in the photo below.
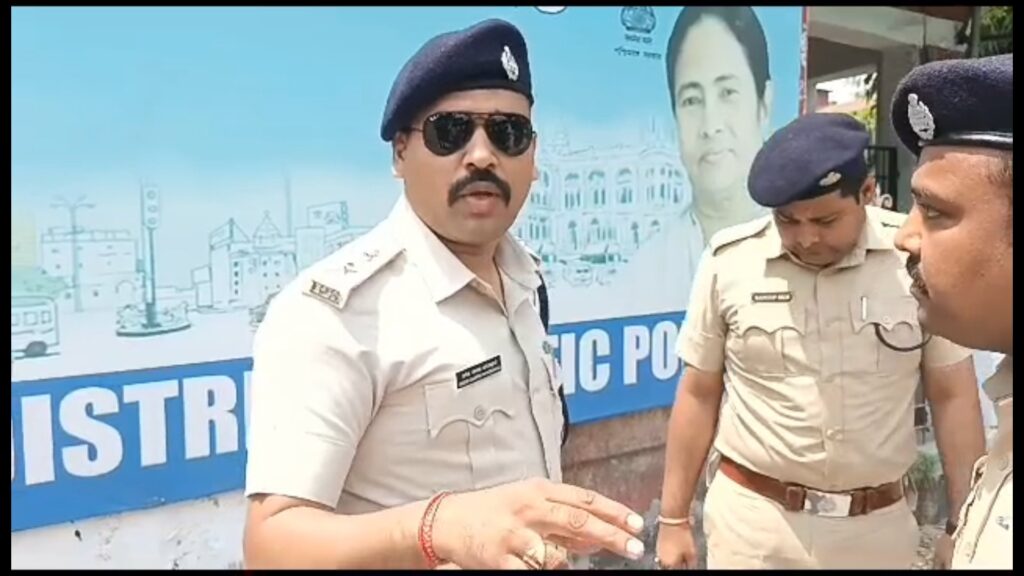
(335, 278)
(324, 292)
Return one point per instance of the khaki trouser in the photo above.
(746, 530)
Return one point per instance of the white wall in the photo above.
(204, 533)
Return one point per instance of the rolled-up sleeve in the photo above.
(312, 392)
(940, 352)
(701, 341)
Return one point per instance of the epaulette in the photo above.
(734, 234)
(335, 278)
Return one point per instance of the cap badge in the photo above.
(508, 62)
(920, 117)
(830, 179)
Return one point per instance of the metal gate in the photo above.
(882, 160)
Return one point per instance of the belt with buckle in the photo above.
(797, 498)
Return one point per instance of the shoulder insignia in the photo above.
(335, 278)
(734, 234)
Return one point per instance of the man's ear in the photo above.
(398, 148)
(868, 190)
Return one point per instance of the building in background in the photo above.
(108, 275)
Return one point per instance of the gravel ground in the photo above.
(926, 548)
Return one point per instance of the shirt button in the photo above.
(886, 320)
(479, 413)
(832, 434)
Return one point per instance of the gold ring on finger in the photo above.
(534, 557)
(555, 556)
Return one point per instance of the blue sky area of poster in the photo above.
(216, 105)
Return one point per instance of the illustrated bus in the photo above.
(33, 326)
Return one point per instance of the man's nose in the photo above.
(480, 152)
(808, 237)
(908, 238)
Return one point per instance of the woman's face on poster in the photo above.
(721, 119)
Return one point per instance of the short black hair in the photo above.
(1002, 175)
(745, 27)
(853, 188)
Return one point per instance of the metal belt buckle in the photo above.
(827, 504)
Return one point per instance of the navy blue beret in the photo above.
(956, 103)
(490, 54)
(809, 157)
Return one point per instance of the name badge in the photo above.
(477, 372)
(772, 296)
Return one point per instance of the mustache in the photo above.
(914, 269)
(476, 176)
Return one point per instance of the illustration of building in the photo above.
(338, 238)
(599, 204)
(107, 262)
(244, 271)
(327, 229)
(310, 245)
(332, 215)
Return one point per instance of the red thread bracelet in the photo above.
(426, 530)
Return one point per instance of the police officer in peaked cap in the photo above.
(956, 116)
(803, 354)
(405, 404)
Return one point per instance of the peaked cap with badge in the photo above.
(963, 102)
(810, 157)
(488, 55)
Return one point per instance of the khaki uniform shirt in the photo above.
(388, 372)
(984, 538)
(811, 395)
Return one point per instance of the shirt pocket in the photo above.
(469, 422)
(896, 318)
(769, 339)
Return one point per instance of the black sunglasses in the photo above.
(445, 133)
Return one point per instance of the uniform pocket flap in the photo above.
(474, 405)
(886, 312)
(770, 317)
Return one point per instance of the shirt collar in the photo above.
(442, 271)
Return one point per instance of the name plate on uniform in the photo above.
(477, 372)
(772, 296)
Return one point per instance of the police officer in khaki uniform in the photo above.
(957, 117)
(412, 363)
(803, 322)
